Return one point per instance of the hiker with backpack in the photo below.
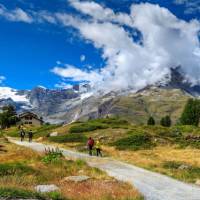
(90, 145)
(22, 134)
(30, 135)
(98, 148)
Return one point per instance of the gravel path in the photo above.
(152, 185)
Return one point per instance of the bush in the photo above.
(166, 121)
(52, 156)
(69, 138)
(14, 193)
(134, 142)
(87, 127)
(10, 169)
(151, 121)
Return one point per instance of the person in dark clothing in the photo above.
(90, 145)
(22, 135)
(30, 135)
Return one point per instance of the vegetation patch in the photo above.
(183, 171)
(134, 142)
(19, 193)
(87, 127)
(68, 138)
(52, 156)
(11, 169)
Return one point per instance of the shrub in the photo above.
(14, 193)
(87, 127)
(134, 142)
(166, 121)
(69, 138)
(52, 156)
(151, 121)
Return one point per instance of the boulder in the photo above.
(184, 167)
(76, 178)
(54, 134)
(46, 188)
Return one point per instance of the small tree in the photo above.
(151, 121)
(165, 121)
(8, 117)
(191, 113)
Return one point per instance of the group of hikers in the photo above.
(23, 133)
(91, 144)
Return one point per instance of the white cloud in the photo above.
(166, 42)
(77, 74)
(191, 6)
(2, 78)
(82, 58)
(98, 12)
(17, 15)
(63, 85)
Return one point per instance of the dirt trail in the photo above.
(152, 185)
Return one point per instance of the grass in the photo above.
(19, 193)
(22, 169)
(134, 142)
(71, 137)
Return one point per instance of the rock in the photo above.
(197, 182)
(46, 188)
(183, 167)
(54, 134)
(76, 178)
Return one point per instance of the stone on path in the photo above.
(46, 188)
(76, 178)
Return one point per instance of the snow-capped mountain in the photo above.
(81, 102)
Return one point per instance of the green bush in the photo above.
(134, 142)
(151, 121)
(10, 169)
(52, 156)
(19, 193)
(69, 138)
(87, 127)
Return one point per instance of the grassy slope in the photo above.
(153, 147)
(21, 169)
(157, 102)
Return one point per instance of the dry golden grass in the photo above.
(156, 156)
(99, 190)
(99, 187)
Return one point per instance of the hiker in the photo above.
(30, 135)
(90, 145)
(98, 148)
(22, 134)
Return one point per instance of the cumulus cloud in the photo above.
(77, 74)
(139, 48)
(166, 42)
(17, 15)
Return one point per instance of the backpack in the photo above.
(91, 142)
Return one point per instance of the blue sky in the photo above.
(36, 50)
